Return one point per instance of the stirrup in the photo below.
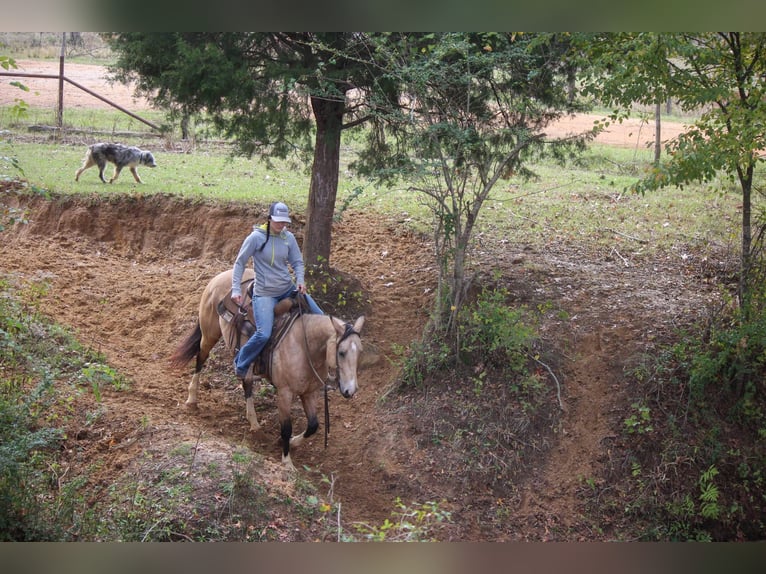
(249, 374)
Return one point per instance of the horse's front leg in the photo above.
(312, 422)
(284, 402)
(247, 385)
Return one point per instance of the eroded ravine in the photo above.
(127, 276)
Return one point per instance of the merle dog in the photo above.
(120, 155)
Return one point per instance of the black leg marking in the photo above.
(286, 433)
(313, 425)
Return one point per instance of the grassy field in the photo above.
(584, 202)
(81, 121)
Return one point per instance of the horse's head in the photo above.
(348, 350)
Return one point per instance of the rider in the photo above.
(272, 248)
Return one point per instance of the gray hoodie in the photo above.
(272, 276)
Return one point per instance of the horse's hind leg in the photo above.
(204, 352)
(252, 417)
(191, 400)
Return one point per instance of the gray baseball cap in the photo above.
(279, 212)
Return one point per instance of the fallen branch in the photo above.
(194, 455)
(625, 261)
(558, 386)
(643, 241)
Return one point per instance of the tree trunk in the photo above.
(746, 181)
(465, 218)
(324, 182)
(571, 83)
(657, 133)
(457, 290)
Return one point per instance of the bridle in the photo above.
(347, 332)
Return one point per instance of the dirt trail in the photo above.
(619, 311)
(128, 274)
(117, 277)
(114, 279)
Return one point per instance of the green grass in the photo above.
(209, 172)
(580, 203)
(201, 174)
(584, 202)
(97, 120)
(588, 203)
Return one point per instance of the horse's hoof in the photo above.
(190, 406)
(255, 427)
(288, 464)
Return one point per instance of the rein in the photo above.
(240, 316)
(349, 330)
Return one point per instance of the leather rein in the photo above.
(349, 330)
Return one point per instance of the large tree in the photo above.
(721, 75)
(274, 94)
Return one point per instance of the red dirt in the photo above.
(128, 274)
(43, 92)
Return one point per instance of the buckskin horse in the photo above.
(314, 348)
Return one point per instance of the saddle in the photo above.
(285, 314)
(229, 311)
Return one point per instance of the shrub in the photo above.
(22, 444)
(496, 331)
(43, 370)
(732, 364)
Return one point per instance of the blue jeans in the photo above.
(263, 313)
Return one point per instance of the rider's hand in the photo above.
(301, 288)
(237, 299)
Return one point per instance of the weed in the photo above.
(478, 383)
(92, 416)
(422, 359)
(496, 331)
(98, 375)
(347, 201)
(639, 421)
(337, 293)
(42, 367)
(709, 391)
(416, 523)
(709, 494)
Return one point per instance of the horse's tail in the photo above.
(188, 349)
